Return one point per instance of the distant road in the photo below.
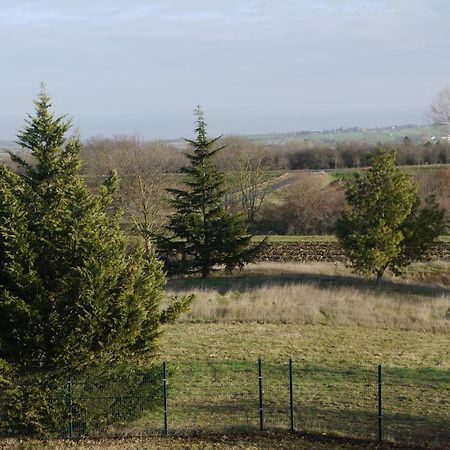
(292, 175)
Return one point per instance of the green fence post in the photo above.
(261, 406)
(380, 406)
(291, 395)
(70, 403)
(166, 430)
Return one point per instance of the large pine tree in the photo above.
(70, 291)
(201, 235)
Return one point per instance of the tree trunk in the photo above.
(379, 277)
(205, 272)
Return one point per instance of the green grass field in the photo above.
(213, 350)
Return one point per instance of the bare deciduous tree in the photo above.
(248, 166)
(144, 168)
(440, 107)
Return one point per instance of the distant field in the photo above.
(371, 136)
(287, 238)
(315, 238)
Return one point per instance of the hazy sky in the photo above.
(141, 66)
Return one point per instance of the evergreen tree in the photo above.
(201, 235)
(382, 226)
(69, 290)
(72, 293)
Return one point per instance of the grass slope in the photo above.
(321, 294)
(212, 355)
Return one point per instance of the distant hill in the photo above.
(394, 133)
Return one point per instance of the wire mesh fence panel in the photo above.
(212, 396)
(276, 395)
(416, 406)
(337, 401)
(223, 396)
(116, 401)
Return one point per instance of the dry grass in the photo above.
(326, 294)
(266, 441)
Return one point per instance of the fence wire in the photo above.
(227, 396)
(119, 401)
(213, 395)
(338, 401)
(417, 406)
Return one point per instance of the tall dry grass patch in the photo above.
(315, 294)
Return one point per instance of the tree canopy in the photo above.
(383, 225)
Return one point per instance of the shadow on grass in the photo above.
(243, 282)
(431, 432)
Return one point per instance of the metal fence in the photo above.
(372, 403)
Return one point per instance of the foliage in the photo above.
(114, 395)
(45, 403)
(420, 229)
(34, 403)
(382, 226)
(71, 291)
(201, 234)
(176, 307)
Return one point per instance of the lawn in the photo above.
(336, 328)
(306, 344)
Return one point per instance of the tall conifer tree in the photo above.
(201, 235)
(70, 292)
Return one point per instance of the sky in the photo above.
(255, 66)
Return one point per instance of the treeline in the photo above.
(300, 154)
(307, 204)
(296, 154)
